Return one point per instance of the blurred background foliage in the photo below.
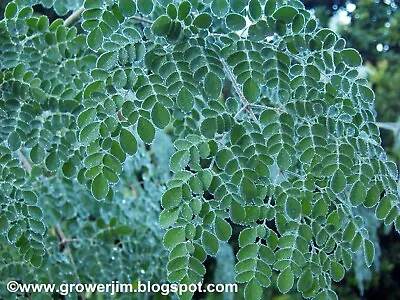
(373, 28)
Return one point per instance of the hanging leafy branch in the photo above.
(274, 131)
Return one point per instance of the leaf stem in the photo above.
(65, 242)
(242, 98)
(389, 126)
(25, 163)
(278, 109)
(140, 19)
(74, 16)
(239, 112)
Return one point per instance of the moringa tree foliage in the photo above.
(273, 132)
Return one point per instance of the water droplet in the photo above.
(386, 47)
(374, 19)
(142, 271)
(387, 24)
(350, 7)
(335, 7)
(379, 47)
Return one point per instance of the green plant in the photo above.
(273, 128)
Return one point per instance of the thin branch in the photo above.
(143, 20)
(239, 112)
(278, 109)
(239, 91)
(217, 34)
(65, 242)
(25, 163)
(389, 125)
(75, 16)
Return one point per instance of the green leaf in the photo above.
(349, 232)
(285, 280)
(270, 7)
(293, 208)
(337, 271)
(11, 10)
(43, 24)
(212, 85)
(298, 23)
(220, 8)
(351, 57)
(210, 243)
(174, 237)
(372, 197)
(209, 127)
(128, 142)
(4, 225)
(37, 154)
(107, 60)
(162, 25)
(145, 130)
(248, 189)
(100, 187)
(251, 90)
(160, 116)
(179, 160)
(202, 21)
(68, 169)
(171, 11)
(14, 233)
(285, 14)
(184, 10)
(185, 100)
(30, 197)
(238, 5)
(383, 208)
(172, 198)
(255, 9)
(89, 133)
(247, 237)
(120, 79)
(237, 212)
(253, 290)
(145, 6)
(369, 252)
(14, 141)
(305, 281)
(128, 7)
(95, 39)
(284, 160)
(86, 117)
(222, 229)
(338, 182)
(53, 162)
(235, 22)
(168, 217)
(358, 193)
